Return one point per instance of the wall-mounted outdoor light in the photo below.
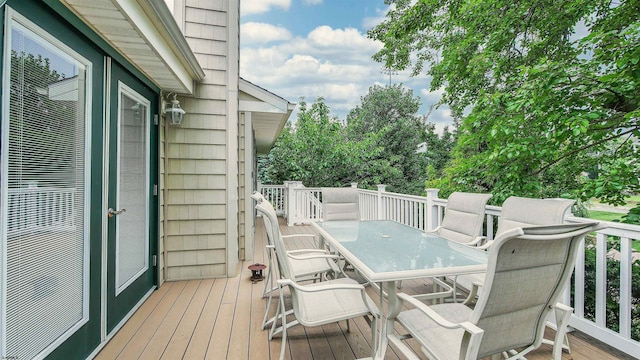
(174, 113)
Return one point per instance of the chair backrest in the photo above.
(527, 271)
(340, 204)
(273, 230)
(522, 212)
(463, 216)
(275, 238)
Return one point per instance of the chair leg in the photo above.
(561, 341)
(374, 335)
(283, 345)
(268, 288)
(267, 281)
(265, 319)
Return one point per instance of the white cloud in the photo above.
(248, 7)
(312, 2)
(326, 37)
(261, 33)
(431, 97)
(335, 64)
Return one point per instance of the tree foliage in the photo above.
(316, 151)
(376, 145)
(390, 112)
(545, 107)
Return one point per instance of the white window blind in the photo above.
(44, 171)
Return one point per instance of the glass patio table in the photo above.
(386, 251)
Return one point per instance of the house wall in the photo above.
(200, 237)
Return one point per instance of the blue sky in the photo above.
(312, 48)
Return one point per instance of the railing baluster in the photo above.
(579, 283)
(625, 287)
(601, 279)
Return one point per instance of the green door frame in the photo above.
(120, 305)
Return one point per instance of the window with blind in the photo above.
(44, 190)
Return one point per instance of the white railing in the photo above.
(425, 213)
(40, 209)
(275, 194)
(597, 327)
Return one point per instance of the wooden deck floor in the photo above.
(221, 318)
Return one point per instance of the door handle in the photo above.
(115, 212)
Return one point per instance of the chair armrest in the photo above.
(485, 246)
(448, 292)
(313, 256)
(298, 235)
(467, 326)
(307, 251)
(328, 287)
(477, 241)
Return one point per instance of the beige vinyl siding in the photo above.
(196, 234)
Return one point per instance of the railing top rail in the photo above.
(404, 196)
(613, 228)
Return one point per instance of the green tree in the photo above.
(544, 108)
(316, 151)
(390, 112)
(438, 150)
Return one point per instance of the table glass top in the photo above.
(388, 246)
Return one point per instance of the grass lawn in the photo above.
(610, 216)
(604, 215)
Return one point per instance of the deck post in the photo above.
(432, 212)
(292, 204)
(381, 189)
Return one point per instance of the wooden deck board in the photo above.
(163, 334)
(178, 343)
(221, 319)
(199, 343)
(127, 332)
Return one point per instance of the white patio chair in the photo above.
(464, 218)
(462, 222)
(527, 271)
(307, 264)
(517, 212)
(316, 303)
(340, 204)
(520, 212)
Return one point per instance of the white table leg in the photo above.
(388, 313)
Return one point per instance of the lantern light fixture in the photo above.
(174, 113)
